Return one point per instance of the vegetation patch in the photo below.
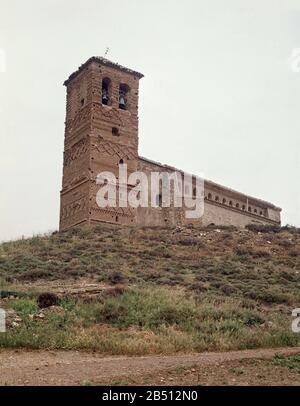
(292, 362)
(161, 290)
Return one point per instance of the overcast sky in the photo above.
(220, 94)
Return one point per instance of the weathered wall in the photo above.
(98, 137)
(219, 215)
(222, 206)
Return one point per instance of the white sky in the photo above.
(219, 95)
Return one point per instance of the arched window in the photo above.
(123, 94)
(244, 207)
(121, 162)
(106, 91)
(237, 205)
(209, 196)
(261, 213)
(230, 203)
(224, 201)
(217, 198)
(249, 209)
(159, 200)
(194, 192)
(255, 210)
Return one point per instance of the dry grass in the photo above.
(171, 289)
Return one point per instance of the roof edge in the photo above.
(103, 61)
(264, 202)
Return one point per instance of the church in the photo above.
(102, 133)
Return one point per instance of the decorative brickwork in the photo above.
(102, 131)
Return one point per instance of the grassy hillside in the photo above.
(161, 290)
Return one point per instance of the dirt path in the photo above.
(21, 367)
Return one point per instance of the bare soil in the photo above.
(249, 367)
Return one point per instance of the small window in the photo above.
(82, 102)
(230, 203)
(261, 213)
(121, 162)
(194, 192)
(237, 205)
(224, 201)
(209, 196)
(115, 132)
(217, 198)
(255, 210)
(159, 200)
(123, 94)
(250, 209)
(106, 90)
(244, 207)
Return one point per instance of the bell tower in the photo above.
(101, 132)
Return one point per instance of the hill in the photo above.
(125, 290)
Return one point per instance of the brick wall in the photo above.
(99, 136)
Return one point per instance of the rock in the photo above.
(54, 309)
(12, 319)
(43, 312)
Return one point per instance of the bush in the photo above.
(285, 243)
(115, 291)
(188, 242)
(47, 299)
(294, 253)
(34, 274)
(116, 277)
(24, 307)
(292, 362)
(263, 228)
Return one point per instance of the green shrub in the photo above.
(24, 307)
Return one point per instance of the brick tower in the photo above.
(101, 132)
